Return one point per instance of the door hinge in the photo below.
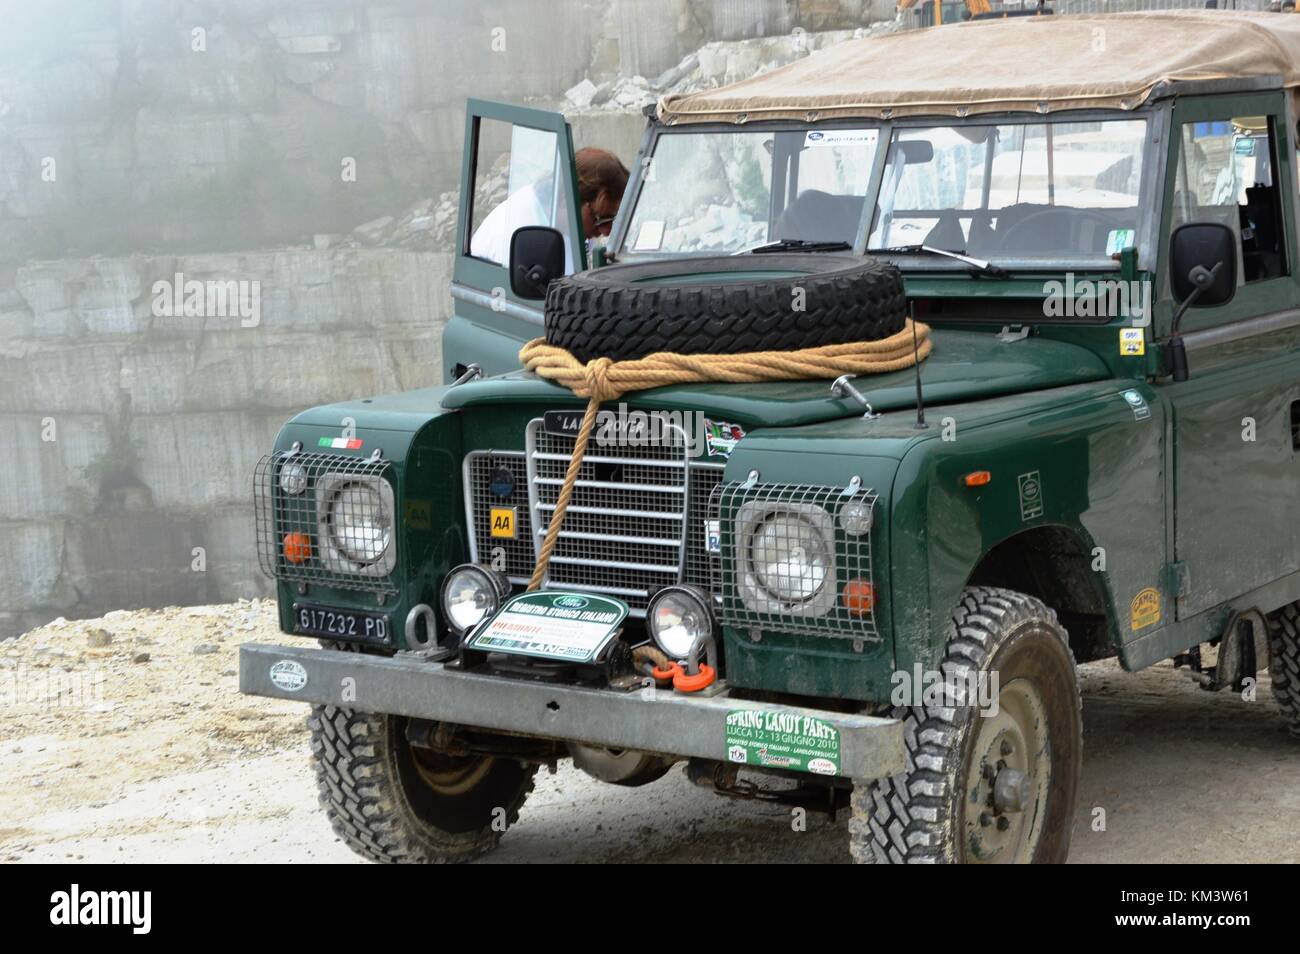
(1178, 579)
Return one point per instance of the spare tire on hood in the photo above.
(724, 305)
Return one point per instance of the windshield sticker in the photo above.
(650, 237)
(783, 739)
(1119, 239)
(1144, 611)
(841, 137)
(1141, 410)
(1132, 342)
(721, 438)
(1031, 495)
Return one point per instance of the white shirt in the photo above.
(491, 240)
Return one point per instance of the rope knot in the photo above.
(599, 387)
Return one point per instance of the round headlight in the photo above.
(678, 618)
(790, 558)
(293, 478)
(471, 594)
(358, 525)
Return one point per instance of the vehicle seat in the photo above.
(817, 216)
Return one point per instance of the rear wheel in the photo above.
(992, 784)
(1284, 663)
(395, 802)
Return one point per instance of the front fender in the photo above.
(1078, 458)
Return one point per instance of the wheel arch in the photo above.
(1054, 563)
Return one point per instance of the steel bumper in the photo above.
(650, 720)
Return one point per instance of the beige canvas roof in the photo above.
(1024, 63)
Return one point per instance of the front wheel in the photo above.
(993, 748)
(392, 801)
(1284, 663)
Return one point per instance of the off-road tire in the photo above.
(1284, 663)
(918, 817)
(380, 807)
(768, 302)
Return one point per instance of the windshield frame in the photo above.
(1156, 116)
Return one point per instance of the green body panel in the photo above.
(1130, 467)
(477, 335)
(423, 445)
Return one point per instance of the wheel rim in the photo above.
(450, 774)
(1008, 777)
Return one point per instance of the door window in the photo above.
(518, 181)
(1226, 174)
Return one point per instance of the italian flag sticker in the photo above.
(340, 443)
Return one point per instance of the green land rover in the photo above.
(849, 593)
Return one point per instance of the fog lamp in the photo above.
(470, 594)
(678, 617)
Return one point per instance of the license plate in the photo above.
(551, 624)
(347, 625)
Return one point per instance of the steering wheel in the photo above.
(1020, 237)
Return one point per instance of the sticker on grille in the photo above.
(497, 480)
(801, 559)
(327, 519)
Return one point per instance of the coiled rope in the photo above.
(603, 379)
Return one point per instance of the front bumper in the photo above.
(659, 721)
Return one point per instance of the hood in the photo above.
(964, 365)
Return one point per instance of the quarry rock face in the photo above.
(311, 149)
(133, 436)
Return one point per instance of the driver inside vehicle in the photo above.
(602, 177)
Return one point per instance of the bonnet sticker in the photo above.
(721, 438)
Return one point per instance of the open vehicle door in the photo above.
(517, 171)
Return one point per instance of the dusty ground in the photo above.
(136, 746)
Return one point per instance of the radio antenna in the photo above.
(916, 364)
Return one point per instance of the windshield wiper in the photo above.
(800, 245)
(979, 265)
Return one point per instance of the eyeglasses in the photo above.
(598, 221)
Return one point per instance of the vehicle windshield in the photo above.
(1014, 191)
(723, 192)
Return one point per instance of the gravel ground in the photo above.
(125, 739)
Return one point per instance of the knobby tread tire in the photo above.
(912, 818)
(635, 309)
(361, 790)
(1284, 663)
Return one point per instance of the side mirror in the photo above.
(1203, 264)
(1203, 271)
(536, 259)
